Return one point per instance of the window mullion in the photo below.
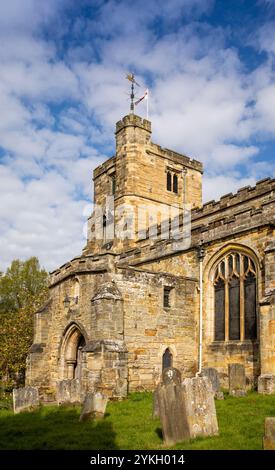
(242, 319)
(226, 336)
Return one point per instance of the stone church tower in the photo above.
(144, 287)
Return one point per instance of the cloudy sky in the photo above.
(210, 68)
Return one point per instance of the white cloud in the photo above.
(265, 108)
(60, 102)
(216, 186)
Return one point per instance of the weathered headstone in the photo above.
(94, 406)
(269, 438)
(25, 399)
(266, 384)
(237, 380)
(69, 392)
(213, 376)
(155, 405)
(219, 395)
(200, 407)
(171, 407)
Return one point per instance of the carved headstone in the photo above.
(69, 392)
(94, 406)
(200, 407)
(269, 438)
(237, 380)
(25, 399)
(171, 407)
(213, 376)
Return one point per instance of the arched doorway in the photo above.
(79, 359)
(72, 352)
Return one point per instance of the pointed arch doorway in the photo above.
(72, 352)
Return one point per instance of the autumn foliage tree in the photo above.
(23, 289)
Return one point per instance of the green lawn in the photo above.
(129, 425)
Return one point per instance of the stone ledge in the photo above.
(106, 345)
(233, 346)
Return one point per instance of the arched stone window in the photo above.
(235, 299)
(175, 183)
(167, 359)
(76, 291)
(169, 181)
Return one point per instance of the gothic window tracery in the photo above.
(235, 283)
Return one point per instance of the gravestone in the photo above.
(237, 380)
(25, 399)
(155, 405)
(213, 376)
(200, 407)
(266, 384)
(269, 438)
(69, 392)
(172, 408)
(94, 406)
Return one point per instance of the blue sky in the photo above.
(209, 65)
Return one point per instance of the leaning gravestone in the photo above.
(213, 376)
(269, 438)
(69, 392)
(94, 406)
(237, 380)
(172, 408)
(200, 407)
(25, 399)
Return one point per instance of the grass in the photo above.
(129, 425)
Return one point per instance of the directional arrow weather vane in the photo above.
(131, 78)
(145, 96)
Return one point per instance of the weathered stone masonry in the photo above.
(106, 323)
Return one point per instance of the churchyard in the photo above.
(129, 424)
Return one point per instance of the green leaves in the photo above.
(23, 289)
(21, 285)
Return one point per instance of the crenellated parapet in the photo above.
(228, 201)
(133, 120)
(175, 157)
(83, 265)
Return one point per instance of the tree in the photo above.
(23, 289)
(21, 286)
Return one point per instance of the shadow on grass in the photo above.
(54, 428)
(159, 433)
(129, 425)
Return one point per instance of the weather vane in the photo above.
(131, 78)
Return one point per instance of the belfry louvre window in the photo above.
(235, 287)
(169, 181)
(175, 183)
(172, 181)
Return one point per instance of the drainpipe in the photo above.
(200, 256)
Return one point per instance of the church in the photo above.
(163, 280)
